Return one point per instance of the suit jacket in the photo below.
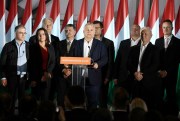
(63, 51)
(120, 68)
(36, 70)
(9, 57)
(108, 68)
(98, 54)
(55, 42)
(170, 58)
(149, 65)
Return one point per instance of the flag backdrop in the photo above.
(95, 13)
(153, 20)
(68, 18)
(82, 20)
(55, 15)
(108, 23)
(169, 13)
(139, 18)
(12, 21)
(40, 15)
(177, 24)
(2, 24)
(122, 31)
(27, 19)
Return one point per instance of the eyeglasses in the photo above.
(23, 33)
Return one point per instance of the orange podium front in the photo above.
(75, 60)
(79, 67)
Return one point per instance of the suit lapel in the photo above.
(93, 47)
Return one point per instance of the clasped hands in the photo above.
(138, 76)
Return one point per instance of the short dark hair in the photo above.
(76, 95)
(71, 25)
(19, 26)
(98, 22)
(168, 21)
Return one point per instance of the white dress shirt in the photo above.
(142, 49)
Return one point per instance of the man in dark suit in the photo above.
(55, 42)
(14, 64)
(143, 65)
(169, 47)
(66, 49)
(120, 73)
(96, 50)
(108, 68)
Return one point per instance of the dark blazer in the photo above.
(36, 70)
(55, 42)
(170, 58)
(149, 65)
(9, 57)
(149, 88)
(63, 51)
(63, 48)
(98, 54)
(108, 68)
(120, 68)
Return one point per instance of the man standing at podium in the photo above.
(96, 50)
(66, 49)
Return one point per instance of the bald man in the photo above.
(143, 65)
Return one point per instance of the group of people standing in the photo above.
(143, 69)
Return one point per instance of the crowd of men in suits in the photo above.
(143, 69)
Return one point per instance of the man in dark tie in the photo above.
(108, 68)
(66, 49)
(14, 64)
(169, 47)
(98, 55)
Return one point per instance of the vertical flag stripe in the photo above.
(68, 14)
(12, 14)
(55, 15)
(27, 12)
(177, 24)
(1, 9)
(121, 16)
(122, 24)
(39, 16)
(82, 20)
(83, 14)
(153, 20)
(169, 13)
(12, 21)
(139, 18)
(68, 18)
(2, 24)
(27, 19)
(95, 14)
(109, 15)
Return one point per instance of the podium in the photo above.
(79, 69)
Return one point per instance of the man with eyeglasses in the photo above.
(14, 64)
(169, 47)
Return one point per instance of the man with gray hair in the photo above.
(14, 64)
(143, 65)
